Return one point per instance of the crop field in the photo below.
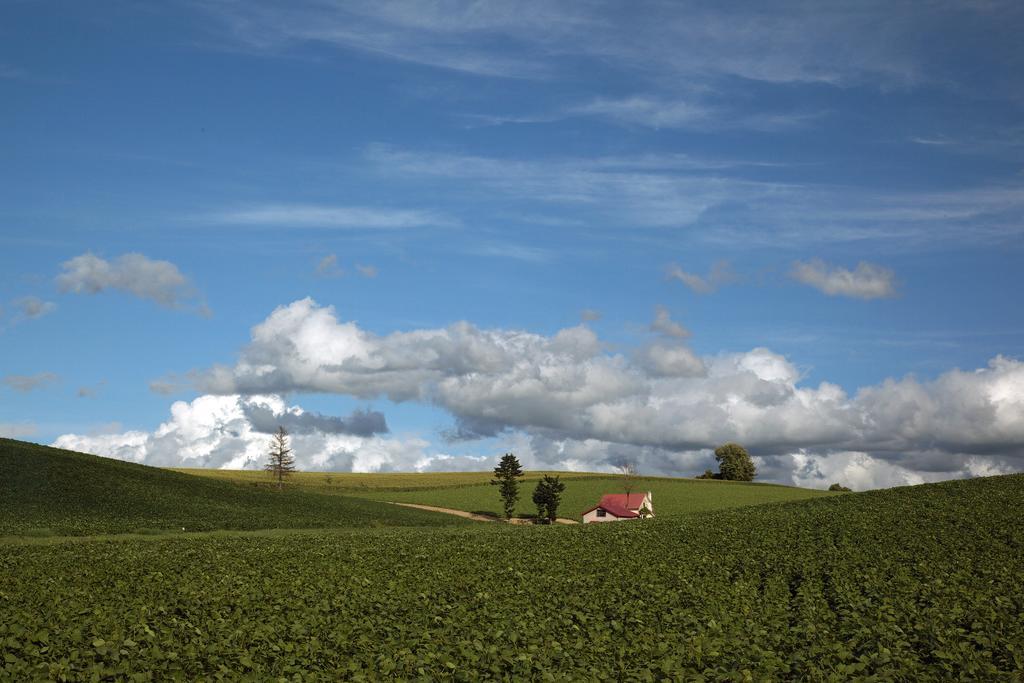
(915, 584)
(471, 491)
(49, 492)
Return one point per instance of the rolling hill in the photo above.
(471, 491)
(48, 491)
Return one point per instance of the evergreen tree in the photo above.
(547, 496)
(506, 476)
(280, 462)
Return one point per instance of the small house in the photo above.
(616, 507)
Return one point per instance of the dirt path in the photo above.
(475, 516)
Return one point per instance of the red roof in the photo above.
(620, 504)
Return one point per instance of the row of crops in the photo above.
(925, 583)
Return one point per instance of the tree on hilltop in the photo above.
(506, 476)
(839, 487)
(628, 470)
(734, 463)
(280, 462)
(547, 497)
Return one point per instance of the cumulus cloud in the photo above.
(232, 432)
(866, 281)
(720, 274)
(661, 401)
(27, 383)
(264, 419)
(135, 274)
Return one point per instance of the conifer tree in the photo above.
(505, 477)
(280, 462)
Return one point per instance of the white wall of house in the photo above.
(593, 516)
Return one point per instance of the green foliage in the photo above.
(708, 474)
(47, 491)
(839, 487)
(914, 584)
(734, 463)
(506, 475)
(547, 497)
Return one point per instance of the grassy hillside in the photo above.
(358, 482)
(921, 583)
(472, 492)
(671, 497)
(50, 491)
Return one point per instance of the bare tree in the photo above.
(280, 463)
(628, 471)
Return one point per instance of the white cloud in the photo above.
(663, 324)
(28, 383)
(866, 281)
(328, 267)
(317, 216)
(229, 432)
(842, 44)
(715, 201)
(720, 274)
(651, 112)
(32, 307)
(663, 398)
(146, 278)
(366, 270)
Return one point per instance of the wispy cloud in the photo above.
(866, 281)
(665, 112)
(328, 267)
(30, 308)
(518, 252)
(28, 383)
(16, 430)
(323, 216)
(367, 271)
(716, 201)
(720, 274)
(878, 45)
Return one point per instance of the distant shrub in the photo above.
(839, 487)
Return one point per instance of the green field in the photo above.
(671, 497)
(470, 491)
(47, 491)
(915, 584)
(921, 583)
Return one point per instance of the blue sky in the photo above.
(842, 187)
